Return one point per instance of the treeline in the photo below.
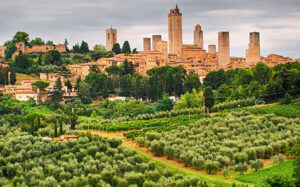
(260, 81)
(124, 81)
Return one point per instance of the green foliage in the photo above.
(287, 99)
(13, 77)
(116, 48)
(262, 73)
(215, 79)
(290, 110)
(209, 99)
(241, 168)
(89, 161)
(126, 48)
(164, 104)
(22, 61)
(84, 47)
(296, 164)
(258, 178)
(21, 37)
(191, 82)
(257, 164)
(279, 180)
(9, 51)
(190, 100)
(37, 41)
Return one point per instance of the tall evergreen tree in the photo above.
(69, 85)
(57, 95)
(13, 77)
(116, 48)
(84, 47)
(126, 47)
(6, 72)
(209, 99)
(2, 75)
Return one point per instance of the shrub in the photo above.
(241, 168)
(257, 164)
(225, 172)
(211, 166)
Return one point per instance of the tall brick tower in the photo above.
(147, 44)
(155, 40)
(223, 49)
(253, 51)
(175, 31)
(111, 38)
(198, 36)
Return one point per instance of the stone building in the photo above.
(198, 36)
(223, 49)
(253, 51)
(2, 51)
(147, 44)
(162, 47)
(175, 31)
(212, 49)
(111, 38)
(193, 51)
(155, 40)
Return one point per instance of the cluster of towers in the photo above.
(174, 46)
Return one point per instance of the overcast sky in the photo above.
(278, 21)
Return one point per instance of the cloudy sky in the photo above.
(278, 21)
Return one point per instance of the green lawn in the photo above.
(21, 77)
(291, 110)
(285, 168)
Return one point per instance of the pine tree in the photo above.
(13, 77)
(116, 48)
(126, 48)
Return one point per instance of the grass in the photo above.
(21, 77)
(285, 168)
(291, 110)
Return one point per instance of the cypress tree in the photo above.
(126, 47)
(116, 48)
(13, 77)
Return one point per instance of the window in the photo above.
(108, 36)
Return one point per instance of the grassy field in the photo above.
(285, 168)
(291, 110)
(21, 77)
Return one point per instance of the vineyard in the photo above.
(291, 110)
(142, 126)
(214, 144)
(92, 160)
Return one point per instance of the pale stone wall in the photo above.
(155, 40)
(198, 36)
(253, 51)
(61, 48)
(162, 47)
(147, 44)
(193, 51)
(111, 38)
(223, 49)
(2, 51)
(175, 31)
(38, 49)
(212, 49)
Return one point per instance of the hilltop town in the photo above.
(194, 58)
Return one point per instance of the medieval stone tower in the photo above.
(253, 51)
(223, 49)
(111, 38)
(155, 40)
(175, 31)
(198, 36)
(147, 44)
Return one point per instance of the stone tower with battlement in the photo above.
(212, 49)
(198, 36)
(111, 38)
(175, 31)
(223, 49)
(155, 40)
(147, 44)
(253, 51)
